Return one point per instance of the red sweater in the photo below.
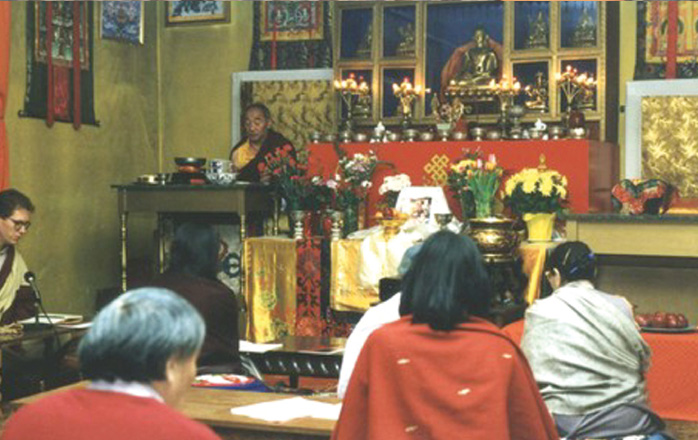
(470, 383)
(102, 415)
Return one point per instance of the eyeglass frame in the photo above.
(19, 224)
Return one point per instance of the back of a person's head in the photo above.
(446, 283)
(11, 200)
(574, 260)
(135, 335)
(194, 250)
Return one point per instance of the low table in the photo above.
(306, 356)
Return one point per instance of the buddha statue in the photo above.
(585, 32)
(472, 66)
(364, 48)
(407, 45)
(537, 32)
(538, 94)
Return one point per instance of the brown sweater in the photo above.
(217, 305)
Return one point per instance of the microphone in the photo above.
(30, 278)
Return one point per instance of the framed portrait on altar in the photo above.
(197, 12)
(122, 21)
(422, 202)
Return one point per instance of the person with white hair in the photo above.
(141, 356)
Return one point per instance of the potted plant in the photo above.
(537, 195)
(475, 181)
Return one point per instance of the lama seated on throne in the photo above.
(473, 66)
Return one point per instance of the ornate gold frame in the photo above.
(554, 55)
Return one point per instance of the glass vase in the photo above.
(351, 219)
(483, 207)
(467, 205)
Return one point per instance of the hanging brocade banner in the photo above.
(291, 35)
(59, 63)
(664, 41)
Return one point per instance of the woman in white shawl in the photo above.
(587, 354)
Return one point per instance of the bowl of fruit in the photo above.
(664, 322)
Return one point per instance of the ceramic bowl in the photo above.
(444, 134)
(221, 178)
(197, 162)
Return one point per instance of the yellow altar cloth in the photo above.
(533, 256)
(270, 287)
(346, 291)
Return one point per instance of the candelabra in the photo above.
(406, 93)
(354, 93)
(505, 90)
(578, 90)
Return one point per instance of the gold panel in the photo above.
(670, 141)
(298, 107)
(436, 170)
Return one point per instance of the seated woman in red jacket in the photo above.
(441, 371)
(141, 357)
(193, 274)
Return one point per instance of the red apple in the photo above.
(642, 320)
(659, 320)
(681, 320)
(671, 321)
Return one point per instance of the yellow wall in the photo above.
(197, 65)
(73, 246)
(628, 42)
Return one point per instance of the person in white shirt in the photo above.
(374, 318)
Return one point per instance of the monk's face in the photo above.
(13, 228)
(256, 125)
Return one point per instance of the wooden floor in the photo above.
(682, 430)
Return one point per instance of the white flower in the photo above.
(366, 184)
(332, 184)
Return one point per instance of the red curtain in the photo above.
(5, 14)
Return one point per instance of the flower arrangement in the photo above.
(390, 190)
(534, 190)
(353, 179)
(475, 181)
(289, 173)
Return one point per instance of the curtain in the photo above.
(5, 13)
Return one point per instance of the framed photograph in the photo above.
(197, 12)
(122, 21)
(422, 202)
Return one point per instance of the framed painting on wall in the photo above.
(122, 21)
(197, 12)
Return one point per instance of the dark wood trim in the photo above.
(612, 70)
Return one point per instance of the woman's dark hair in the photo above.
(574, 260)
(446, 283)
(195, 250)
(11, 200)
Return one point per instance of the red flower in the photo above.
(287, 148)
(292, 162)
(277, 171)
(261, 167)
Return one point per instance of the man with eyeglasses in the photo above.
(16, 297)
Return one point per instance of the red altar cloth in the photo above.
(672, 380)
(591, 167)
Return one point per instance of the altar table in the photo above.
(241, 198)
(591, 167)
(672, 380)
(212, 407)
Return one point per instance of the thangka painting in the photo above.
(653, 23)
(195, 12)
(60, 83)
(291, 21)
(291, 35)
(122, 21)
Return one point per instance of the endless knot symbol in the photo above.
(437, 170)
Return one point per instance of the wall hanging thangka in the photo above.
(667, 40)
(291, 35)
(60, 83)
(122, 21)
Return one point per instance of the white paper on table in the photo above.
(251, 347)
(288, 409)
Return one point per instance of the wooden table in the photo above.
(212, 407)
(305, 356)
(239, 198)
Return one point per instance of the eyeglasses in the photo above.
(19, 224)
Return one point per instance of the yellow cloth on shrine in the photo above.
(243, 155)
(346, 292)
(270, 287)
(533, 256)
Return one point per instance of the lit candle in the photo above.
(396, 88)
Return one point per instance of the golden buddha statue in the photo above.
(537, 32)
(538, 94)
(585, 32)
(472, 66)
(407, 45)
